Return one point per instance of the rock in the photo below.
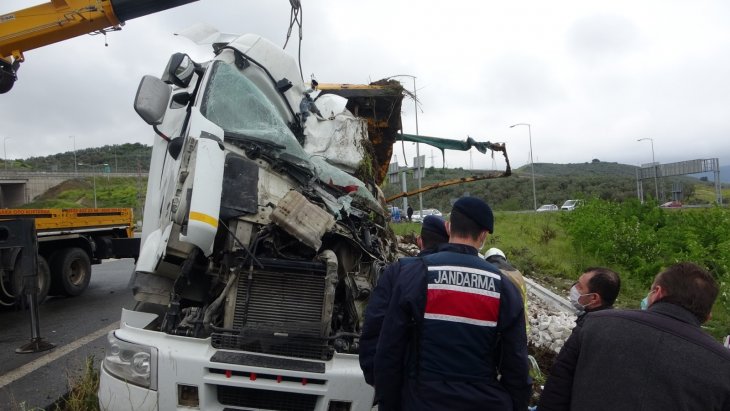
(548, 328)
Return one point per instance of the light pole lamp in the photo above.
(5, 152)
(532, 165)
(418, 151)
(653, 165)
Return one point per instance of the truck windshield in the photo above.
(235, 104)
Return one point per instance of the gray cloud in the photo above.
(600, 38)
(590, 79)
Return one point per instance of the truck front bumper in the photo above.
(191, 374)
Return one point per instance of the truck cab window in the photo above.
(234, 103)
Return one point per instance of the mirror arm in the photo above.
(161, 134)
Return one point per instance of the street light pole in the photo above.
(653, 165)
(418, 151)
(5, 152)
(532, 165)
(74, 138)
(93, 175)
(93, 178)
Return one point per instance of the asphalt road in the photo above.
(77, 326)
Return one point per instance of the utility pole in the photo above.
(653, 166)
(5, 152)
(532, 165)
(75, 170)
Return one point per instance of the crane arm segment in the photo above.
(52, 22)
(59, 20)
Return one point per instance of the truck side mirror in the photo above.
(175, 147)
(151, 100)
(180, 69)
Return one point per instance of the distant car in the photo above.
(570, 205)
(418, 216)
(547, 207)
(672, 204)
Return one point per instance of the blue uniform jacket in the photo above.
(452, 325)
(375, 311)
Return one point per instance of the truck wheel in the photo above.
(16, 282)
(71, 271)
(44, 279)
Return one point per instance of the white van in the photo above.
(570, 205)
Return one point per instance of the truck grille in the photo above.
(264, 399)
(284, 316)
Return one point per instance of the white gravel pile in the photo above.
(549, 327)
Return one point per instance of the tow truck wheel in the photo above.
(44, 279)
(71, 271)
(15, 285)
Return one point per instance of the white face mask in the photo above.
(574, 296)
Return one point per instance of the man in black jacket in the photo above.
(595, 290)
(658, 359)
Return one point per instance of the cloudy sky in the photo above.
(590, 77)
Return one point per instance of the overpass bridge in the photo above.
(21, 187)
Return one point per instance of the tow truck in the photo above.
(69, 242)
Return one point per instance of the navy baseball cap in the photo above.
(477, 210)
(435, 224)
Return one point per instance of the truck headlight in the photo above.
(133, 363)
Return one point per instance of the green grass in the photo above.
(125, 192)
(705, 193)
(537, 244)
(82, 395)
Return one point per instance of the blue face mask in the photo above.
(645, 301)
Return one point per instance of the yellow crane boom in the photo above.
(59, 20)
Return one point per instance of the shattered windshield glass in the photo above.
(234, 103)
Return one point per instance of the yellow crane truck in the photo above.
(69, 242)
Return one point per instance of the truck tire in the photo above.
(16, 283)
(44, 279)
(71, 271)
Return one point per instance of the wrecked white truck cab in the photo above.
(264, 233)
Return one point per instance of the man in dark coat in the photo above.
(409, 212)
(595, 290)
(453, 335)
(433, 234)
(657, 359)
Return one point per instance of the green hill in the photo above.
(554, 183)
(118, 158)
(595, 168)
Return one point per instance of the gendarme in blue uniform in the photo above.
(452, 325)
(375, 312)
